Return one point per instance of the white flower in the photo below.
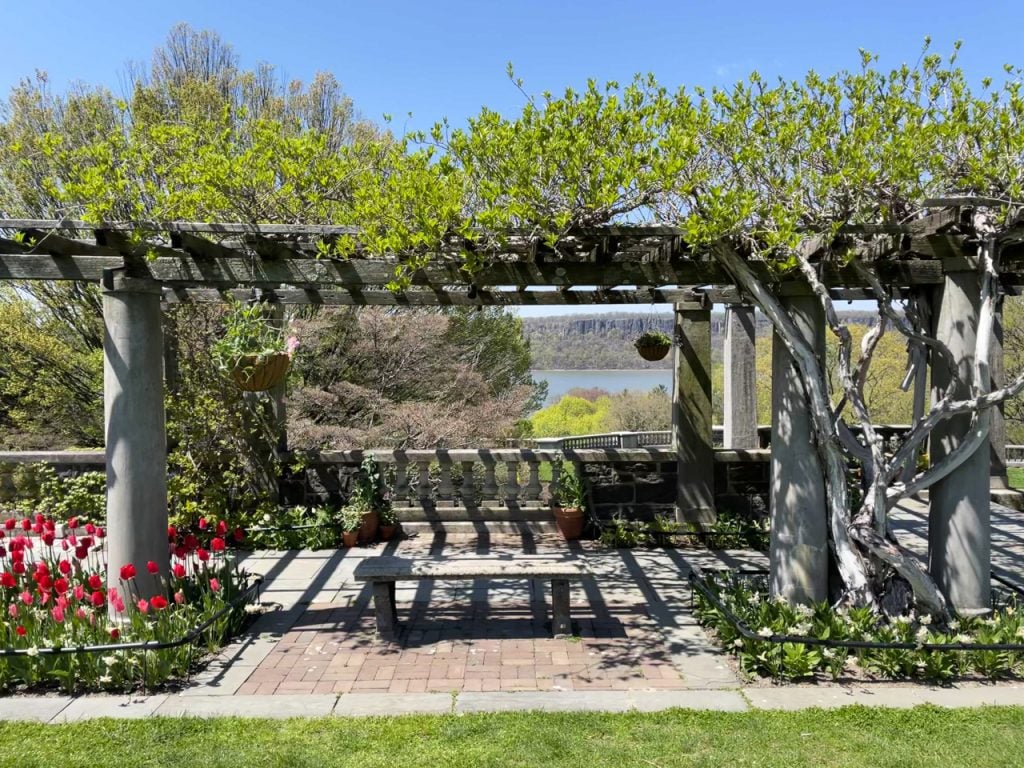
(828, 653)
(962, 638)
(803, 610)
(106, 679)
(954, 624)
(926, 619)
(110, 660)
(737, 643)
(33, 651)
(251, 608)
(765, 632)
(802, 629)
(921, 635)
(1019, 632)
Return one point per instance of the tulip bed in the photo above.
(54, 595)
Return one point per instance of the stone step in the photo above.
(531, 527)
(463, 514)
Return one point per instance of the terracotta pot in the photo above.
(570, 521)
(254, 373)
(387, 532)
(654, 352)
(368, 530)
(350, 538)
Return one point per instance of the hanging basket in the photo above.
(653, 352)
(258, 373)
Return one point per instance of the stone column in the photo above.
(136, 437)
(959, 543)
(998, 479)
(278, 408)
(740, 378)
(799, 554)
(692, 414)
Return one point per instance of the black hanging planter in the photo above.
(653, 345)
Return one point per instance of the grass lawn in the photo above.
(1015, 475)
(853, 736)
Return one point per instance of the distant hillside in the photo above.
(605, 341)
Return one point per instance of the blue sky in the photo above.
(447, 59)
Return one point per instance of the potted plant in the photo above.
(253, 351)
(569, 504)
(351, 519)
(369, 495)
(388, 521)
(653, 345)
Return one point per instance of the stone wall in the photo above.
(640, 485)
(635, 484)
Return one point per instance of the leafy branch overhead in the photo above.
(762, 162)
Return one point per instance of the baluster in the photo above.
(490, 489)
(511, 484)
(445, 489)
(424, 484)
(401, 480)
(532, 490)
(467, 490)
(556, 476)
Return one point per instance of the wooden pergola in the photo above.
(142, 265)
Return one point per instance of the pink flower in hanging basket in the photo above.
(291, 345)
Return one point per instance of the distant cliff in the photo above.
(605, 341)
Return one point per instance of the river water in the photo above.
(560, 382)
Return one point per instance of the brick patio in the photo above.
(476, 636)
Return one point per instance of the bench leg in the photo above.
(384, 607)
(561, 623)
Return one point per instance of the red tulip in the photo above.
(202, 554)
(158, 602)
(48, 538)
(217, 544)
(18, 567)
(152, 567)
(60, 586)
(81, 552)
(222, 528)
(9, 523)
(172, 532)
(96, 598)
(179, 571)
(215, 585)
(100, 532)
(202, 523)
(114, 633)
(78, 592)
(128, 572)
(95, 581)
(73, 522)
(64, 567)
(90, 528)
(7, 580)
(20, 630)
(239, 533)
(26, 524)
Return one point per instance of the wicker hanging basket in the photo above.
(653, 352)
(258, 373)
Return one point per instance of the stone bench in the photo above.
(383, 572)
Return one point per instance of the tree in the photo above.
(409, 379)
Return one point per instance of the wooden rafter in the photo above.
(608, 265)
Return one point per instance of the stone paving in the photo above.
(486, 646)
